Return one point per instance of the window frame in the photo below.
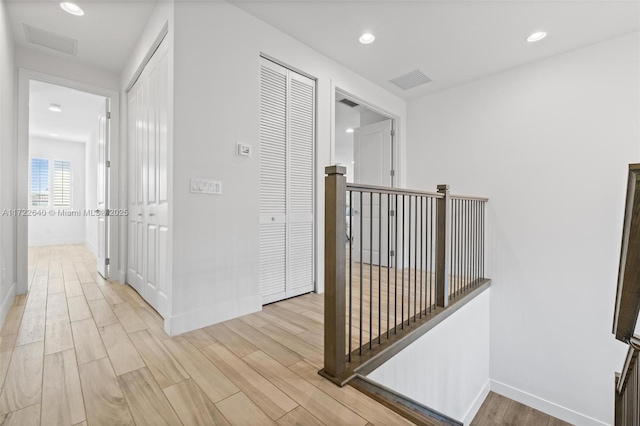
(50, 178)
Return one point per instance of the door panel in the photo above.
(148, 171)
(373, 164)
(102, 191)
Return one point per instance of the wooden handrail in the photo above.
(628, 290)
(387, 190)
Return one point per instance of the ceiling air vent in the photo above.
(348, 102)
(51, 40)
(410, 80)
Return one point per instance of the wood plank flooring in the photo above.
(380, 298)
(79, 350)
(82, 350)
(497, 410)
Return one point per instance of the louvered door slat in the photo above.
(273, 175)
(287, 137)
(301, 194)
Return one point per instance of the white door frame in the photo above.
(395, 125)
(22, 166)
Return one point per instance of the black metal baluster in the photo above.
(415, 264)
(402, 264)
(395, 261)
(422, 223)
(350, 270)
(409, 268)
(361, 278)
(379, 267)
(388, 259)
(370, 268)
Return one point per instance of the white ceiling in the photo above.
(106, 33)
(452, 42)
(76, 122)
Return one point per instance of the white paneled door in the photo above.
(103, 190)
(287, 155)
(373, 158)
(148, 180)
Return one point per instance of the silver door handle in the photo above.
(139, 214)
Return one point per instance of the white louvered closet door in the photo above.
(287, 135)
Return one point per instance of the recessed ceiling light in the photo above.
(367, 38)
(349, 130)
(537, 36)
(72, 8)
(55, 108)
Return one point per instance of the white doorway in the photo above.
(67, 148)
(365, 145)
(67, 124)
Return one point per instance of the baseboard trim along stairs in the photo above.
(401, 404)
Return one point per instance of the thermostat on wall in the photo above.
(243, 150)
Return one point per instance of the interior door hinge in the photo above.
(393, 132)
(392, 213)
(392, 173)
(108, 115)
(392, 253)
(106, 261)
(108, 163)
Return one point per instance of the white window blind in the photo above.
(39, 182)
(61, 183)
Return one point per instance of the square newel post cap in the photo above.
(335, 170)
(443, 188)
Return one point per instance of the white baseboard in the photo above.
(65, 241)
(477, 403)
(91, 247)
(212, 314)
(555, 410)
(119, 276)
(6, 304)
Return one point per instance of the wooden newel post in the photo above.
(335, 232)
(443, 249)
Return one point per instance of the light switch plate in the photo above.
(205, 186)
(243, 150)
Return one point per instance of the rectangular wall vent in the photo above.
(348, 102)
(51, 40)
(410, 80)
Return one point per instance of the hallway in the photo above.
(82, 350)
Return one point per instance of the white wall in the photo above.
(54, 229)
(60, 67)
(8, 274)
(346, 118)
(370, 117)
(216, 101)
(549, 144)
(451, 363)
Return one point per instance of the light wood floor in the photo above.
(81, 350)
(498, 410)
(390, 297)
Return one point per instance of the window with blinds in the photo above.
(39, 182)
(61, 183)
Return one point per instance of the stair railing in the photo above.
(394, 258)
